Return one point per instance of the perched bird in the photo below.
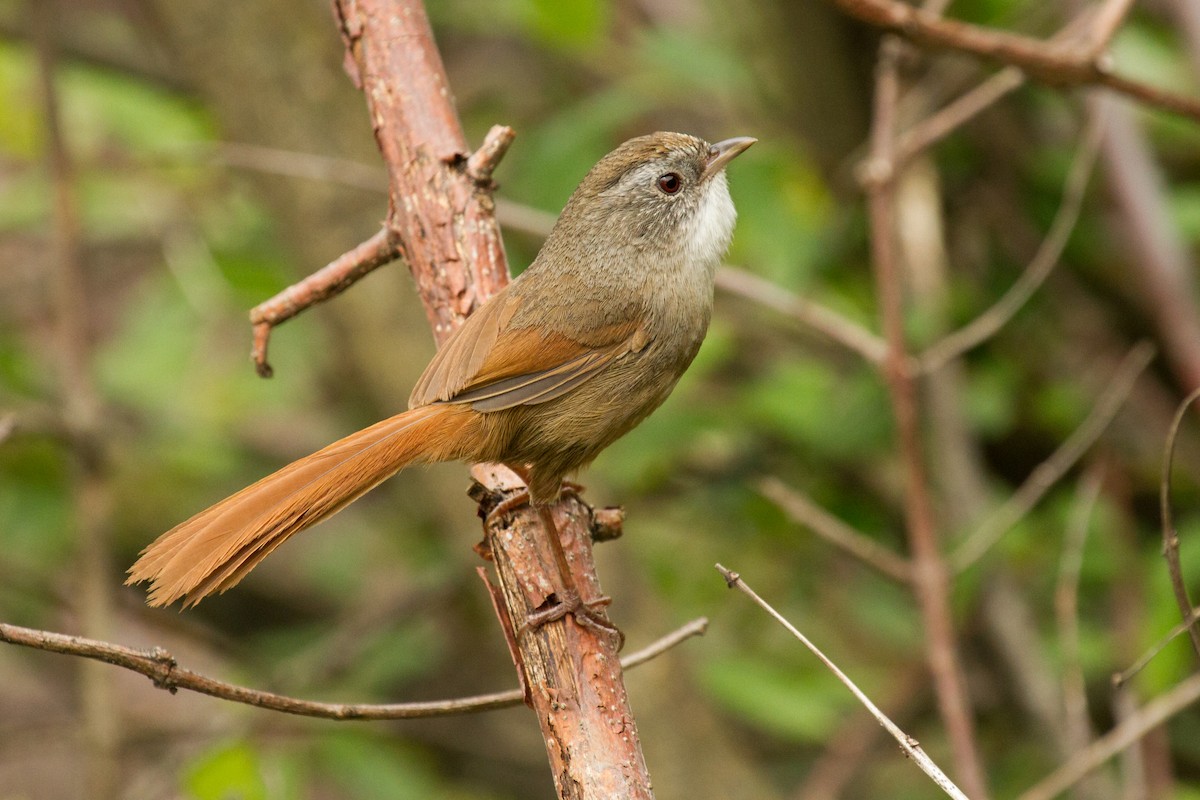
(567, 358)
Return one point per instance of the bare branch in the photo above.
(910, 746)
(483, 161)
(1061, 65)
(993, 319)
(1066, 609)
(930, 574)
(1122, 678)
(837, 327)
(983, 96)
(1146, 719)
(161, 667)
(938, 126)
(329, 281)
(1169, 534)
(1050, 471)
(804, 511)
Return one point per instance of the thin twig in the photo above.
(482, 163)
(998, 315)
(161, 667)
(936, 127)
(276, 161)
(1170, 536)
(329, 281)
(930, 575)
(910, 746)
(82, 414)
(1048, 473)
(1066, 608)
(804, 511)
(956, 113)
(1146, 719)
(1105, 24)
(1122, 678)
(839, 328)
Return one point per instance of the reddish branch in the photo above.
(1055, 63)
(441, 220)
(930, 577)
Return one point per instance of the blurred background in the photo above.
(166, 165)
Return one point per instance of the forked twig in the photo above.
(910, 746)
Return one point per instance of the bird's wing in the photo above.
(493, 366)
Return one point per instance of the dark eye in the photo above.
(670, 183)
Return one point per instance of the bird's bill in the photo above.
(723, 152)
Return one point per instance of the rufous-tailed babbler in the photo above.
(568, 357)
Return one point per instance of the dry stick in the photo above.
(358, 175)
(1066, 609)
(329, 281)
(930, 578)
(1122, 678)
(1169, 534)
(1059, 65)
(837, 327)
(1144, 720)
(1048, 473)
(1040, 266)
(910, 746)
(804, 511)
(161, 667)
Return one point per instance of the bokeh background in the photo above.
(216, 152)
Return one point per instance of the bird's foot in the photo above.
(587, 614)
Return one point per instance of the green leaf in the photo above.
(797, 703)
(231, 772)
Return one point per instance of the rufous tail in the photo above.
(215, 549)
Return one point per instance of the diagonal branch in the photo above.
(1142, 722)
(1052, 63)
(839, 328)
(1048, 473)
(805, 512)
(910, 746)
(997, 316)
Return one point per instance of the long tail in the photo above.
(215, 549)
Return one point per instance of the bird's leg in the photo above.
(588, 613)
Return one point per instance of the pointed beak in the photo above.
(722, 153)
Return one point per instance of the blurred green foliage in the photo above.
(380, 604)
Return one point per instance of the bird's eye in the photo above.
(670, 183)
